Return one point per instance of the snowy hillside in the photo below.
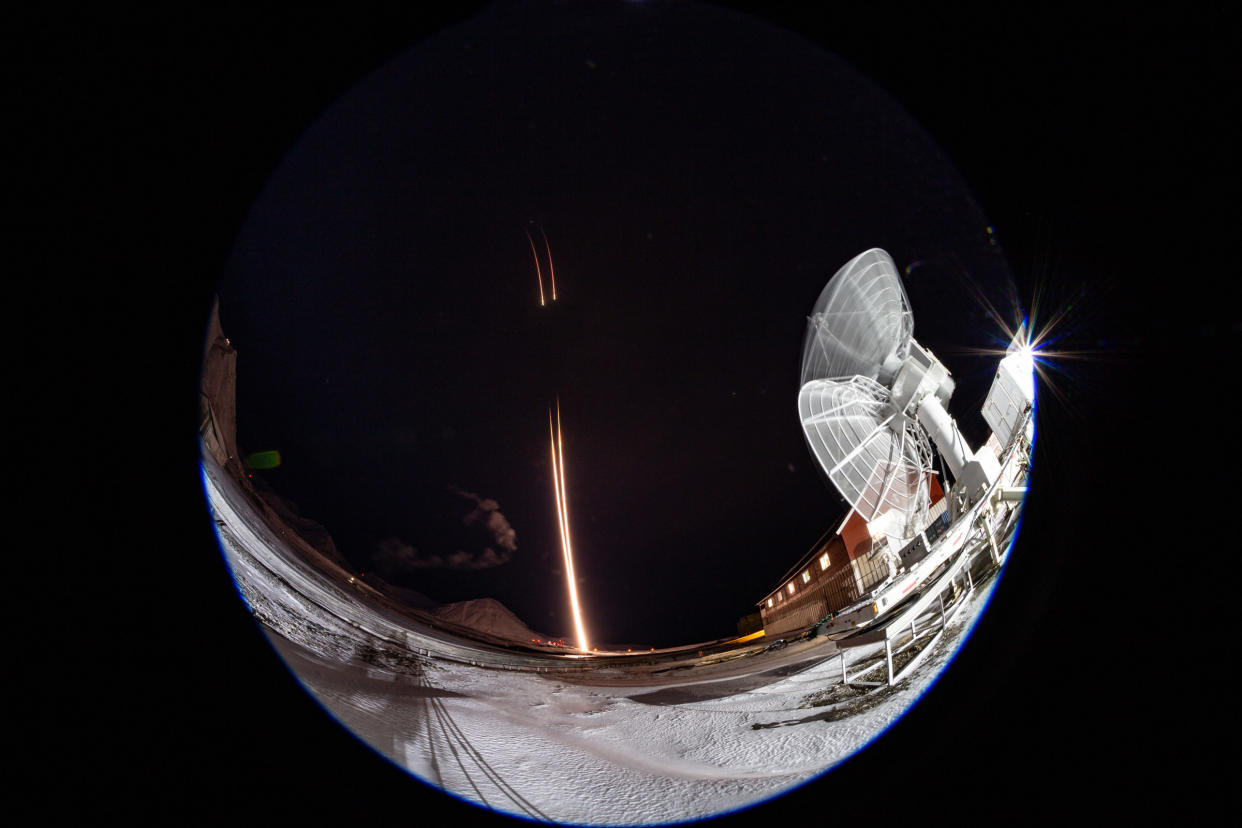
(487, 615)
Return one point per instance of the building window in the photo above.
(806, 576)
(791, 587)
(769, 603)
(823, 561)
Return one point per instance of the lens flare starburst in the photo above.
(1053, 334)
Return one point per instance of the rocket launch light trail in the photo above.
(562, 514)
(538, 268)
(551, 270)
(538, 272)
(556, 437)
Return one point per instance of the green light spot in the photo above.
(263, 460)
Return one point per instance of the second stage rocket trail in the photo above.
(538, 268)
(538, 272)
(551, 269)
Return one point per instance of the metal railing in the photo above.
(926, 623)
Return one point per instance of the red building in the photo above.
(835, 573)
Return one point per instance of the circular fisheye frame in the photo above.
(591, 412)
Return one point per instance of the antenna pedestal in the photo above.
(943, 432)
(972, 472)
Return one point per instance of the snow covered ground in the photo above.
(655, 741)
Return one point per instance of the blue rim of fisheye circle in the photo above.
(264, 636)
(439, 789)
(215, 529)
(966, 635)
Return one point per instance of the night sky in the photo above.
(698, 177)
(1098, 145)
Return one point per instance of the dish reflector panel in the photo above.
(875, 458)
(861, 318)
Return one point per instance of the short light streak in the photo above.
(562, 515)
(538, 272)
(551, 269)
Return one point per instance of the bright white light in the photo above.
(562, 514)
(1025, 357)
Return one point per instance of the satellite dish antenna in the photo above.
(873, 401)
